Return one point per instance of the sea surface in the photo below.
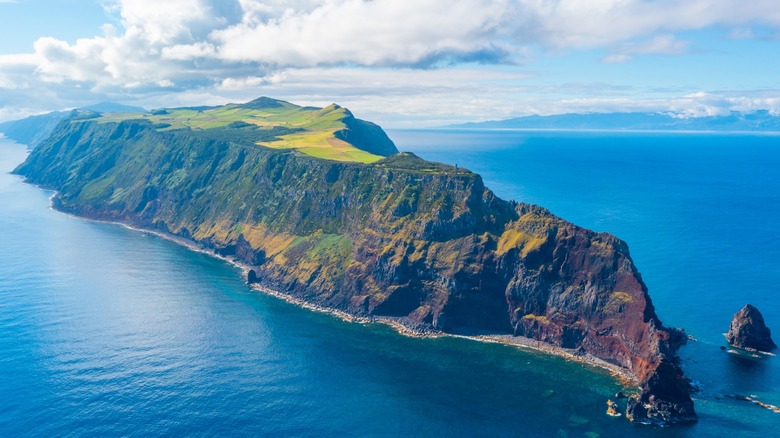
(108, 331)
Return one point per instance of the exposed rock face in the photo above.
(665, 398)
(401, 237)
(748, 330)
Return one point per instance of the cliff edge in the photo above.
(400, 237)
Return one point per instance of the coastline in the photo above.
(622, 375)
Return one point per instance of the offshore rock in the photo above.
(402, 238)
(613, 410)
(748, 331)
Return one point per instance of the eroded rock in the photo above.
(748, 331)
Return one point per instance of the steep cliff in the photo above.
(400, 237)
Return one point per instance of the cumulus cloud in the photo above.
(221, 49)
(372, 33)
(163, 40)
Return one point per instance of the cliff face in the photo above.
(401, 237)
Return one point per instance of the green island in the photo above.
(320, 207)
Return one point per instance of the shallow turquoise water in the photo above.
(109, 331)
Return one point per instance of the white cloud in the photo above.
(593, 23)
(183, 52)
(233, 84)
(379, 32)
(396, 56)
(666, 45)
(167, 40)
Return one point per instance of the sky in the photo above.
(400, 63)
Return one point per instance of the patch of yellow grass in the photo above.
(622, 297)
(541, 319)
(617, 301)
(322, 144)
(525, 242)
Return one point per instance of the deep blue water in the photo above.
(110, 331)
(701, 215)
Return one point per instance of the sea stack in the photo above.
(748, 331)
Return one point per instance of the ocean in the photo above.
(108, 331)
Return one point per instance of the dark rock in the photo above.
(251, 277)
(244, 251)
(636, 411)
(748, 331)
(613, 410)
(665, 398)
(620, 395)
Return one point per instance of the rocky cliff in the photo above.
(749, 331)
(401, 237)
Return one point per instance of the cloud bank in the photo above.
(181, 50)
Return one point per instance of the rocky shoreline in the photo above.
(623, 376)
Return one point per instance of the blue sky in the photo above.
(398, 62)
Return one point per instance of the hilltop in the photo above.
(331, 132)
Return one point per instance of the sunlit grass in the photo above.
(316, 136)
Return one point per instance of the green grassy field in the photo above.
(311, 131)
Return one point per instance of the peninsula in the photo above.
(320, 207)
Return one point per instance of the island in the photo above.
(319, 207)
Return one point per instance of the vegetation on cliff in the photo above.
(34, 129)
(398, 237)
(331, 133)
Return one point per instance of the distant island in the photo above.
(320, 208)
(34, 129)
(758, 121)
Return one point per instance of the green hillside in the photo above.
(331, 133)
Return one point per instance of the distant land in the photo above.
(34, 129)
(321, 209)
(762, 121)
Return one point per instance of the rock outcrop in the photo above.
(401, 238)
(748, 330)
(665, 398)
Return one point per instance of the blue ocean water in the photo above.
(701, 215)
(110, 331)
